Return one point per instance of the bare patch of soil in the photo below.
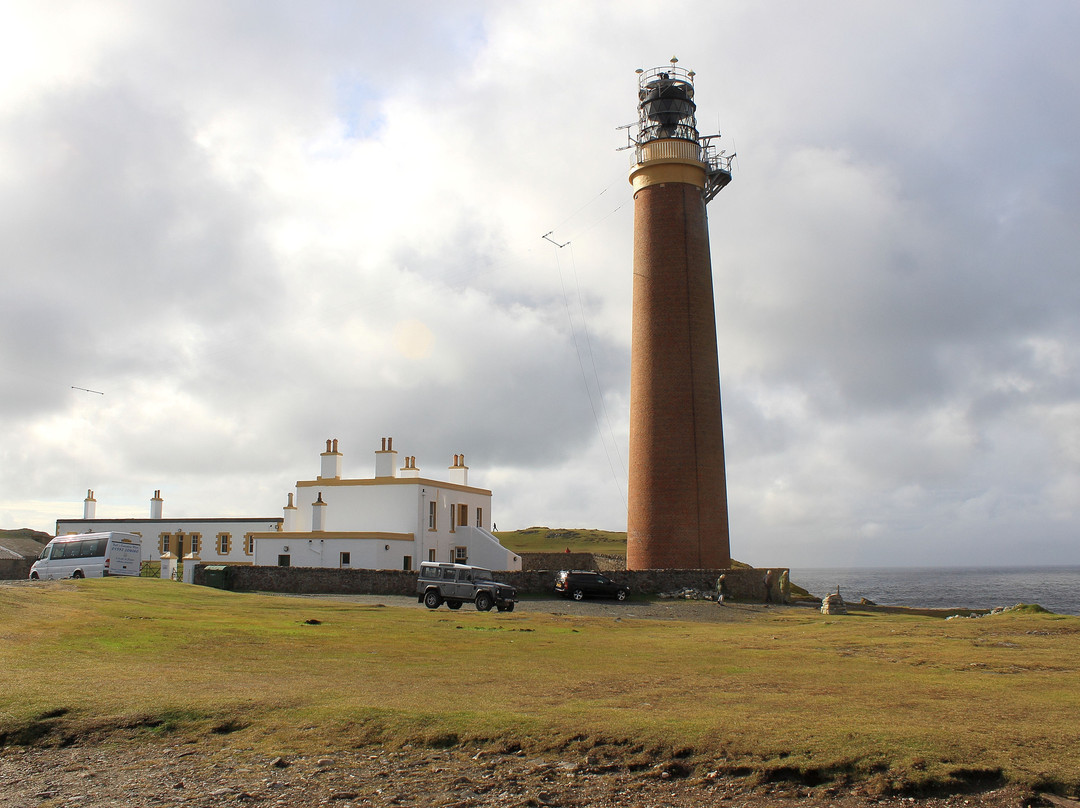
(212, 773)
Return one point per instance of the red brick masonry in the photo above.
(678, 493)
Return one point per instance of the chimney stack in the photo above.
(409, 469)
(331, 461)
(290, 514)
(155, 505)
(318, 514)
(459, 472)
(89, 507)
(386, 459)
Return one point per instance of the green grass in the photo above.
(549, 540)
(893, 700)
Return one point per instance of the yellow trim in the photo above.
(658, 172)
(228, 543)
(249, 543)
(340, 534)
(394, 481)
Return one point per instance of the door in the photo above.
(44, 565)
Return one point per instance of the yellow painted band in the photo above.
(659, 172)
(393, 481)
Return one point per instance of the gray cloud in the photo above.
(254, 226)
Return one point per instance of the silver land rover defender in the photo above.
(454, 584)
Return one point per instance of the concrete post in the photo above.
(168, 567)
(190, 560)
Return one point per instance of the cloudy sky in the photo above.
(254, 225)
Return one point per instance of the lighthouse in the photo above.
(677, 508)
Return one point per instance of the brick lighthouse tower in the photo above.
(677, 516)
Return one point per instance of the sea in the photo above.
(1054, 588)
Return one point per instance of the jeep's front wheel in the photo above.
(483, 602)
(432, 600)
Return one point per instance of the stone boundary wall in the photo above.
(747, 584)
(13, 569)
(315, 580)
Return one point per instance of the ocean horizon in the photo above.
(1054, 588)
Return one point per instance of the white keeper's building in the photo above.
(393, 520)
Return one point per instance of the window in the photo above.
(463, 515)
(283, 560)
(91, 548)
(249, 544)
(431, 515)
(406, 563)
(344, 560)
(430, 555)
(224, 543)
(480, 517)
(196, 542)
(461, 555)
(165, 543)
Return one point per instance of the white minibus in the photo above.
(89, 555)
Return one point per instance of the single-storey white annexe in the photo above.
(393, 520)
(217, 540)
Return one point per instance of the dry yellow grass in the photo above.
(905, 699)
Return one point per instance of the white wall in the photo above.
(208, 530)
(401, 505)
(308, 551)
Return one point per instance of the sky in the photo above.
(245, 227)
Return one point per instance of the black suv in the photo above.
(454, 584)
(579, 584)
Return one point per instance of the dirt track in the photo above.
(210, 774)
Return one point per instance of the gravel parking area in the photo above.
(704, 611)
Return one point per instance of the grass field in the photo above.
(557, 540)
(903, 701)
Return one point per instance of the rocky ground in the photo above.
(214, 773)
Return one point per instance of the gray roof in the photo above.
(21, 547)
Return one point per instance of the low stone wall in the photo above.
(13, 569)
(742, 584)
(314, 580)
